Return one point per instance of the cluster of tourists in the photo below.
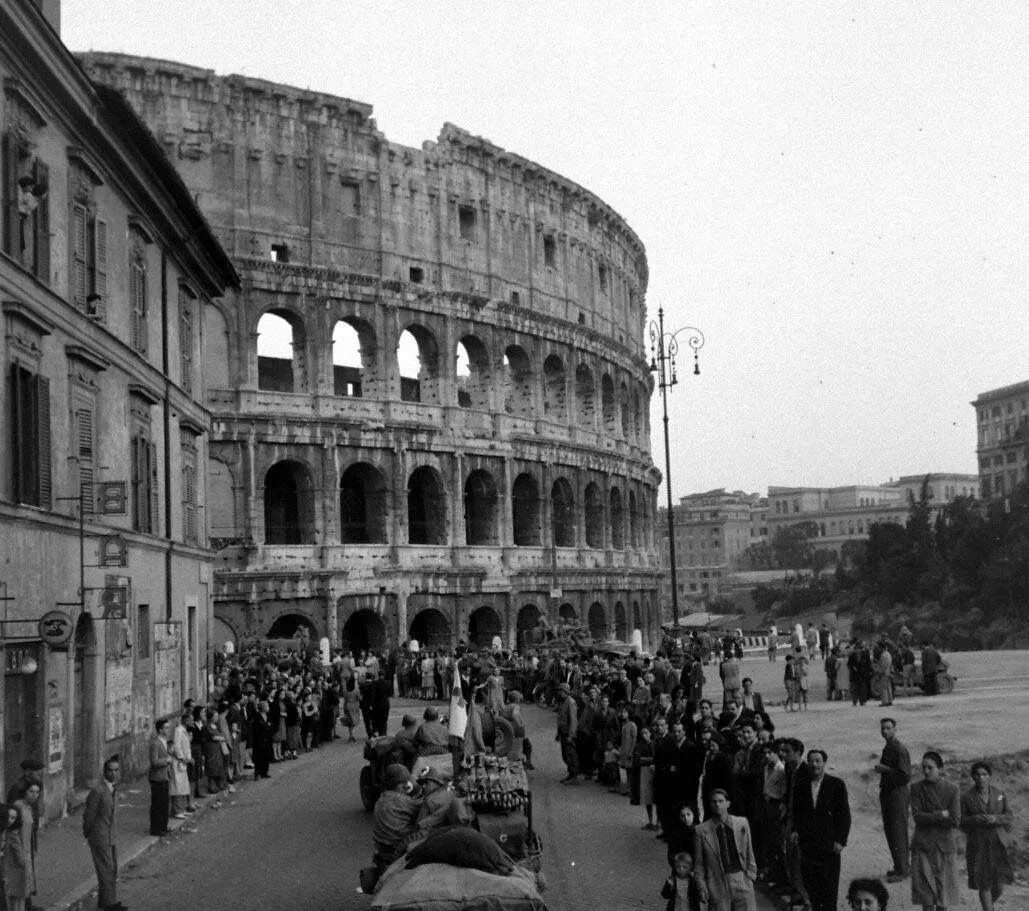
(740, 805)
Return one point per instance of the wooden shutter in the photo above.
(9, 191)
(138, 472)
(84, 438)
(100, 268)
(137, 293)
(41, 222)
(153, 489)
(45, 493)
(186, 343)
(17, 435)
(79, 244)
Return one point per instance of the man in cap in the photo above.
(437, 799)
(395, 815)
(567, 725)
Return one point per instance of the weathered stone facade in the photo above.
(478, 492)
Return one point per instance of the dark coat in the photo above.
(819, 826)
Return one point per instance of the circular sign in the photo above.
(55, 628)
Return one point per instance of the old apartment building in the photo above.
(1002, 417)
(430, 397)
(106, 269)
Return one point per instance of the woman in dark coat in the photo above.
(212, 742)
(936, 809)
(261, 739)
(985, 812)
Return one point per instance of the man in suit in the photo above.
(752, 702)
(98, 828)
(821, 824)
(159, 777)
(725, 866)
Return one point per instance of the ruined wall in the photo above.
(517, 477)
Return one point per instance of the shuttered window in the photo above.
(144, 484)
(83, 428)
(79, 248)
(30, 437)
(186, 340)
(137, 299)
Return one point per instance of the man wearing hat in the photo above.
(567, 726)
(395, 816)
(437, 800)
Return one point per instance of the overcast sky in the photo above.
(835, 193)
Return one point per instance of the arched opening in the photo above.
(363, 505)
(594, 509)
(585, 397)
(84, 750)
(637, 616)
(626, 409)
(617, 520)
(288, 505)
(480, 509)
(221, 633)
(483, 625)
(554, 389)
(431, 629)
(598, 621)
(518, 383)
(637, 418)
(364, 631)
(562, 505)
(607, 404)
(566, 613)
(293, 626)
(525, 501)
(528, 621)
(426, 507)
(353, 344)
(634, 520)
(621, 626)
(280, 346)
(418, 364)
(473, 374)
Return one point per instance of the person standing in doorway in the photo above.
(894, 768)
(98, 828)
(159, 777)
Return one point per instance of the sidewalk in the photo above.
(65, 878)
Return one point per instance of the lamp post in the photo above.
(663, 348)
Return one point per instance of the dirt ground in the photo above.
(987, 716)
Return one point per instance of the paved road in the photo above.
(297, 841)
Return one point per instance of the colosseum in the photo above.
(430, 399)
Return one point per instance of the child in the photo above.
(802, 684)
(679, 888)
(789, 678)
(610, 770)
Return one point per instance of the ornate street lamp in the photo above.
(663, 348)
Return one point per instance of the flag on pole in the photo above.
(458, 706)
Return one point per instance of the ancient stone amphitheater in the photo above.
(430, 399)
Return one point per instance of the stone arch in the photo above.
(216, 347)
(519, 381)
(621, 626)
(566, 613)
(562, 502)
(353, 356)
(480, 508)
(289, 625)
(598, 621)
(609, 407)
(634, 520)
(364, 631)
(418, 365)
(431, 628)
(483, 624)
(473, 374)
(625, 408)
(617, 519)
(288, 504)
(222, 631)
(528, 621)
(554, 389)
(221, 501)
(426, 507)
(585, 397)
(363, 505)
(281, 342)
(594, 514)
(525, 502)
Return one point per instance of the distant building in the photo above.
(1002, 416)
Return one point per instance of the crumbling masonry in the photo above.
(503, 472)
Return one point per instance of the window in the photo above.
(280, 253)
(30, 437)
(549, 251)
(82, 440)
(189, 487)
(143, 631)
(466, 222)
(143, 456)
(88, 254)
(137, 300)
(26, 205)
(187, 339)
(602, 278)
(351, 198)
(416, 274)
